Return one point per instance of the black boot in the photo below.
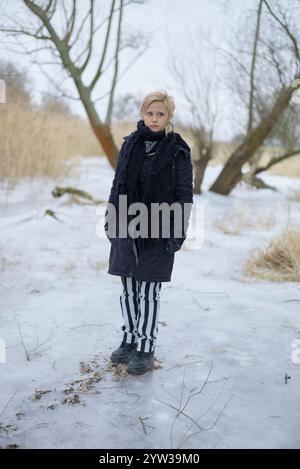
(124, 353)
(140, 363)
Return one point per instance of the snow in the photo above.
(225, 340)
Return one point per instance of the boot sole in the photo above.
(123, 361)
(141, 371)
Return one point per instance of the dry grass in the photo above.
(279, 260)
(289, 168)
(6, 263)
(98, 264)
(238, 220)
(70, 267)
(35, 144)
(118, 370)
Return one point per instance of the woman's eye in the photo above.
(149, 114)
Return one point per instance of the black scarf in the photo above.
(136, 161)
(130, 172)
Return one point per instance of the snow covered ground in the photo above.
(224, 347)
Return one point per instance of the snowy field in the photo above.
(225, 341)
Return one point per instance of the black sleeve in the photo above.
(118, 167)
(184, 187)
(184, 177)
(111, 198)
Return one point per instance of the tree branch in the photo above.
(277, 159)
(286, 29)
(90, 42)
(116, 69)
(252, 70)
(99, 70)
(70, 23)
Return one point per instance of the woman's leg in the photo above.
(147, 321)
(129, 302)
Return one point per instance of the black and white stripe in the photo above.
(140, 304)
(129, 308)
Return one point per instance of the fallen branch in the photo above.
(52, 214)
(141, 419)
(250, 179)
(181, 410)
(185, 436)
(59, 191)
(38, 345)
(6, 405)
(207, 428)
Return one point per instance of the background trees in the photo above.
(269, 67)
(76, 40)
(256, 66)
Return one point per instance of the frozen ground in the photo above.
(225, 341)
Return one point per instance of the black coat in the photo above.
(152, 264)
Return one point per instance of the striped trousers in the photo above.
(140, 303)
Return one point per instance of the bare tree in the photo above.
(252, 69)
(283, 143)
(275, 58)
(17, 84)
(197, 83)
(72, 38)
(127, 105)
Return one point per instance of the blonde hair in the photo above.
(163, 96)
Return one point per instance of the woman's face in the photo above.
(156, 117)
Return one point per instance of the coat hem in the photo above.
(125, 274)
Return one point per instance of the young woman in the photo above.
(154, 167)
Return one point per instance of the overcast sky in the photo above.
(168, 21)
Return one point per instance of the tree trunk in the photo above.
(106, 140)
(199, 169)
(232, 172)
(101, 131)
